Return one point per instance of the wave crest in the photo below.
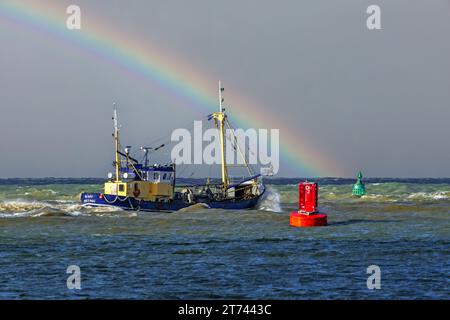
(24, 208)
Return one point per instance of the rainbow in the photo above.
(169, 75)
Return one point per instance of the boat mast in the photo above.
(219, 118)
(116, 140)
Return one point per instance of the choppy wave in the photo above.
(31, 200)
(439, 195)
(24, 208)
(271, 201)
(195, 207)
(377, 192)
(399, 225)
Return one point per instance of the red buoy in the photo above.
(308, 220)
(307, 215)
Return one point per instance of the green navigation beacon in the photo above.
(358, 188)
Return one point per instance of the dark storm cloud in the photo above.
(372, 100)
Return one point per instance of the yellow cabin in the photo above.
(155, 185)
(139, 189)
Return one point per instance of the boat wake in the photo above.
(195, 207)
(271, 201)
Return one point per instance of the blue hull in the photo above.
(98, 199)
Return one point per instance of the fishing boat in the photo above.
(136, 185)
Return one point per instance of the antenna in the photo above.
(145, 149)
(220, 97)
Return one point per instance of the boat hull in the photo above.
(128, 203)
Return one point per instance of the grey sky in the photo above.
(372, 100)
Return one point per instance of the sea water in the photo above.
(401, 225)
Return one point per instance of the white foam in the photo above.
(439, 195)
(271, 201)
